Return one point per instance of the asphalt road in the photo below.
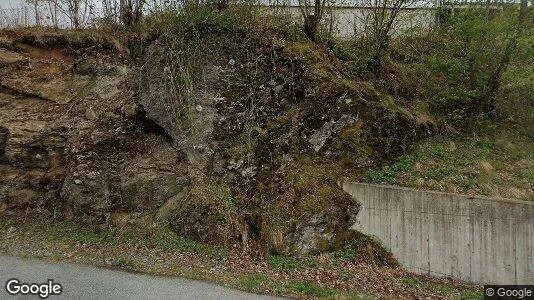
(87, 282)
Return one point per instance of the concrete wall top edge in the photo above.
(478, 197)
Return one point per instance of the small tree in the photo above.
(487, 104)
(384, 13)
(52, 12)
(312, 15)
(35, 5)
(131, 11)
(476, 52)
(110, 12)
(522, 14)
(77, 11)
(73, 9)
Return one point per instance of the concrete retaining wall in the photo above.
(476, 239)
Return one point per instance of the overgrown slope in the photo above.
(233, 129)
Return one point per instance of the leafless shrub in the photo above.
(35, 6)
(78, 12)
(131, 11)
(312, 14)
(379, 18)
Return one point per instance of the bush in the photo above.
(473, 47)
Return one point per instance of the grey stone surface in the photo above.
(308, 236)
(475, 239)
(320, 136)
(187, 114)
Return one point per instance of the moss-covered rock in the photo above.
(289, 125)
(359, 247)
(308, 210)
(207, 213)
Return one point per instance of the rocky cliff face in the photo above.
(74, 141)
(266, 140)
(245, 144)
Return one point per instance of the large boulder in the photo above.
(318, 233)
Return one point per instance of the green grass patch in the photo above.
(439, 173)
(63, 231)
(486, 163)
(169, 241)
(258, 283)
(529, 174)
(289, 263)
(125, 263)
(161, 238)
(254, 282)
(466, 183)
(309, 289)
(440, 288)
(381, 176)
(127, 251)
(345, 255)
(389, 174)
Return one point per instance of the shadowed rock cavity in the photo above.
(4, 136)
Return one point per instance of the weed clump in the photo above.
(207, 214)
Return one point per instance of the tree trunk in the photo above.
(310, 27)
(495, 79)
(54, 15)
(312, 21)
(522, 14)
(36, 8)
(74, 11)
(488, 106)
(382, 45)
